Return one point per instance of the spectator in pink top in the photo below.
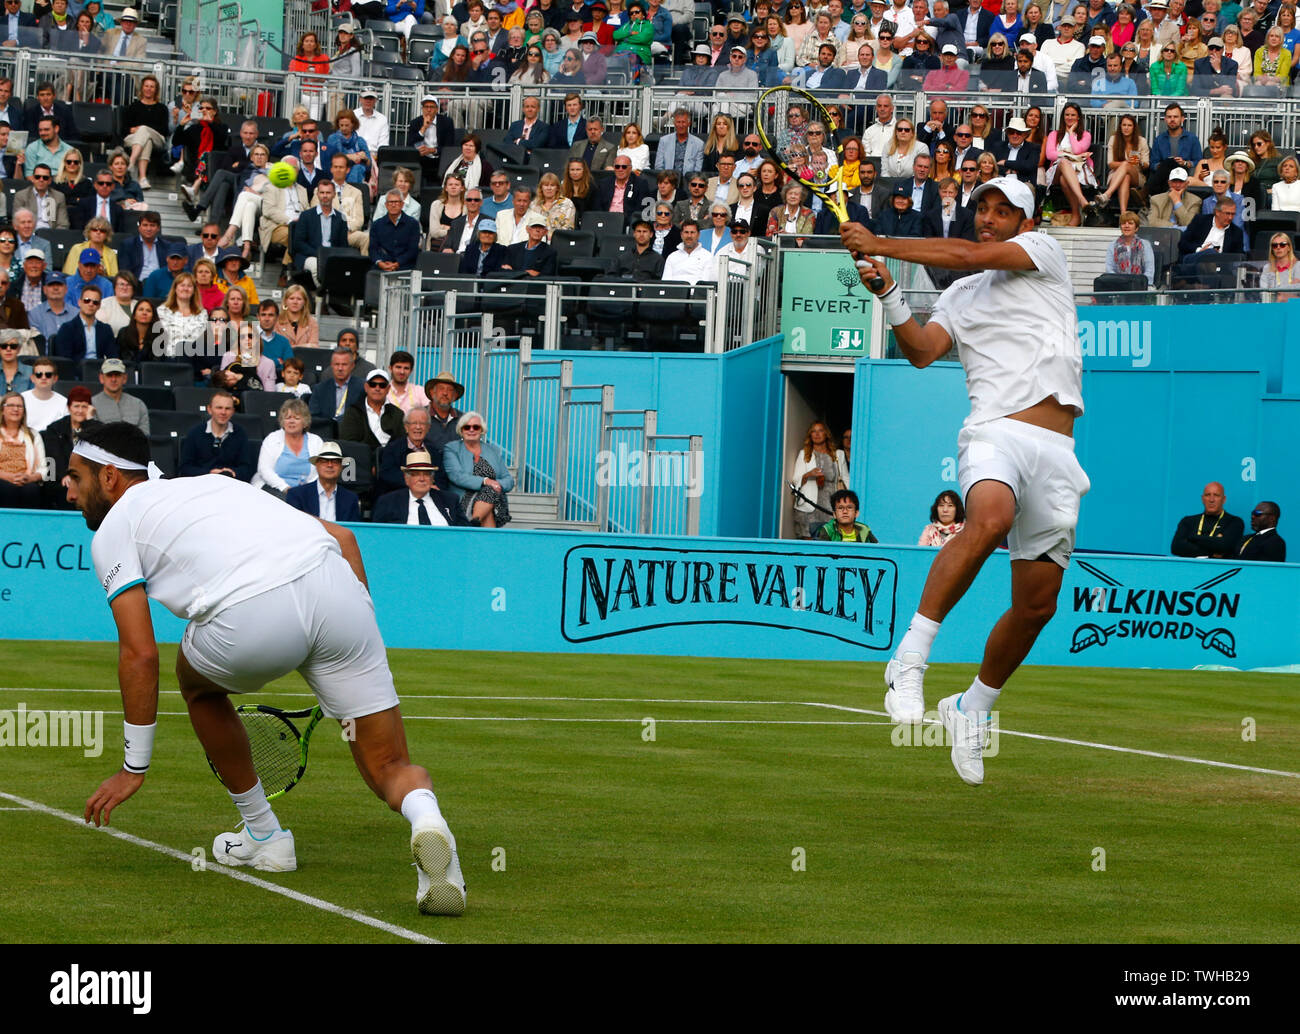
(947, 517)
(947, 77)
(1069, 154)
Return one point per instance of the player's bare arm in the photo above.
(920, 345)
(137, 676)
(945, 252)
(351, 551)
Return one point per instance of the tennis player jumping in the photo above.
(290, 596)
(1015, 328)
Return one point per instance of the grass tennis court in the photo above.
(541, 762)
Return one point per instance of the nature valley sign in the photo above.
(611, 591)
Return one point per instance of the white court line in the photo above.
(792, 703)
(234, 874)
(589, 721)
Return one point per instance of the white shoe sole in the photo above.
(947, 715)
(432, 852)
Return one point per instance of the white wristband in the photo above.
(138, 746)
(897, 311)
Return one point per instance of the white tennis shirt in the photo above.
(201, 544)
(1017, 333)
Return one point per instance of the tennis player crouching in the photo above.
(292, 597)
(1015, 328)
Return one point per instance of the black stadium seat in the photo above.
(164, 424)
(192, 400)
(167, 375)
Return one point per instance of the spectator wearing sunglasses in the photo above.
(44, 404)
(12, 376)
(625, 193)
(49, 206)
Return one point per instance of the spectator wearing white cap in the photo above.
(1177, 206)
(372, 419)
(431, 133)
(1088, 67)
(372, 124)
(533, 256)
(947, 77)
(1167, 30)
(1215, 75)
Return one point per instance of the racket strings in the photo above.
(277, 753)
(785, 121)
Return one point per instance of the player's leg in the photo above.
(347, 669)
(1041, 541)
(263, 842)
(379, 749)
(990, 512)
(1035, 585)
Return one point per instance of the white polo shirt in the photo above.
(175, 537)
(1016, 333)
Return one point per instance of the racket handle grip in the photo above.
(877, 283)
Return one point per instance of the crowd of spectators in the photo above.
(683, 199)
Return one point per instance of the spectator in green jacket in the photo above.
(845, 527)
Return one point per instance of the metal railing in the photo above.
(494, 106)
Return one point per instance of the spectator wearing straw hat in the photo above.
(124, 41)
(443, 391)
(325, 497)
(419, 503)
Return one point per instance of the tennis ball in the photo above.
(282, 174)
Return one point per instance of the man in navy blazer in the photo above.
(326, 490)
(529, 132)
(431, 134)
(533, 255)
(130, 256)
(70, 341)
(635, 191)
(824, 75)
(330, 398)
(89, 206)
(395, 237)
(487, 256)
(320, 227)
(405, 506)
(559, 137)
(1192, 248)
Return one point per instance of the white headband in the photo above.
(103, 457)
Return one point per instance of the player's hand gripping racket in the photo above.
(784, 113)
(279, 749)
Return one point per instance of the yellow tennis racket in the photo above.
(784, 114)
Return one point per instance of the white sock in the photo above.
(978, 698)
(919, 637)
(419, 804)
(255, 810)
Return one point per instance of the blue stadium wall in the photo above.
(562, 592)
(1214, 395)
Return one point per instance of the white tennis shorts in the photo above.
(322, 625)
(1040, 467)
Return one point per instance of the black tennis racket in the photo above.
(784, 114)
(279, 749)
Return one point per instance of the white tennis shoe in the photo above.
(967, 734)
(440, 890)
(274, 854)
(905, 698)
